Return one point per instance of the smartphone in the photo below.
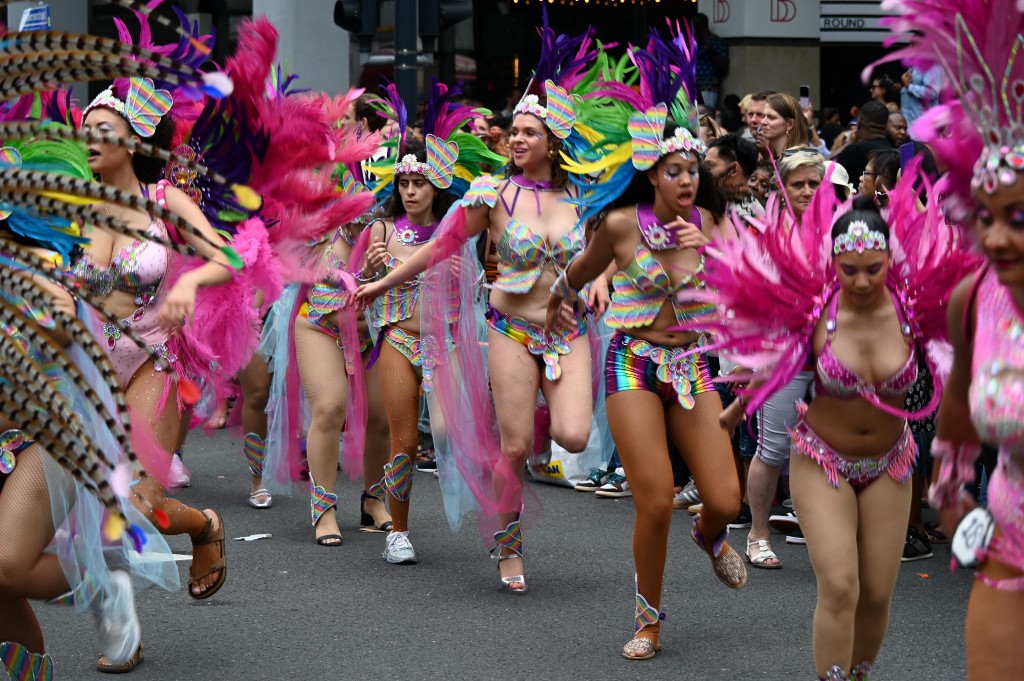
(805, 96)
(906, 154)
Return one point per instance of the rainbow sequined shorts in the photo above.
(665, 370)
(898, 461)
(415, 349)
(547, 348)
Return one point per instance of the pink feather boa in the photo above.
(224, 331)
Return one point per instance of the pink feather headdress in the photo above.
(978, 44)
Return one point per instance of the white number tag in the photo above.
(973, 535)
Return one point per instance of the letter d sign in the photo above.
(722, 11)
(783, 11)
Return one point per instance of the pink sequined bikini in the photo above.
(997, 412)
(836, 379)
(137, 269)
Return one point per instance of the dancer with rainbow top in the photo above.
(662, 207)
(529, 215)
(420, 186)
(978, 45)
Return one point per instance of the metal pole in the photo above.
(405, 54)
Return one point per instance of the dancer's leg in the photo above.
(883, 507)
(828, 518)
(377, 451)
(254, 381)
(706, 449)
(994, 621)
(400, 392)
(26, 527)
(325, 381)
(637, 422)
(571, 398)
(515, 379)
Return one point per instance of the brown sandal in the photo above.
(210, 537)
(104, 665)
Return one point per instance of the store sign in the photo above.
(762, 18)
(852, 22)
(35, 18)
(831, 21)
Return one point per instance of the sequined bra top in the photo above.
(326, 296)
(835, 379)
(399, 303)
(136, 269)
(997, 367)
(643, 286)
(523, 255)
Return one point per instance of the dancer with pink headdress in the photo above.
(979, 46)
(858, 295)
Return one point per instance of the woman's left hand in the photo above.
(688, 235)
(598, 299)
(178, 306)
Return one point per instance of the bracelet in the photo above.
(956, 469)
(364, 279)
(563, 289)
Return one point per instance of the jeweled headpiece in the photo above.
(439, 167)
(453, 157)
(647, 128)
(858, 238)
(978, 45)
(559, 115)
(142, 107)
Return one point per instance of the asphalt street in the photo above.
(293, 610)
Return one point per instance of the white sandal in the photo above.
(764, 554)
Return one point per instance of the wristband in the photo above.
(956, 469)
(562, 288)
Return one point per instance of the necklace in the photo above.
(413, 235)
(120, 216)
(654, 232)
(524, 182)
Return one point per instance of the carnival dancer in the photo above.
(663, 205)
(530, 217)
(422, 186)
(978, 45)
(858, 297)
(66, 409)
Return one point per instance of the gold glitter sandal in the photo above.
(643, 647)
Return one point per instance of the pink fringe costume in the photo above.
(978, 45)
(786, 276)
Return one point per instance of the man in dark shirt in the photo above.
(871, 127)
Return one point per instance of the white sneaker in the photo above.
(617, 486)
(398, 549)
(687, 497)
(179, 475)
(117, 623)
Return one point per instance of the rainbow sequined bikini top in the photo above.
(643, 286)
(997, 389)
(522, 254)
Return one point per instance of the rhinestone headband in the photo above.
(409, 164)
(683, 140)
(859, 238)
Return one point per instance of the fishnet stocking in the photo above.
(400, 390)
